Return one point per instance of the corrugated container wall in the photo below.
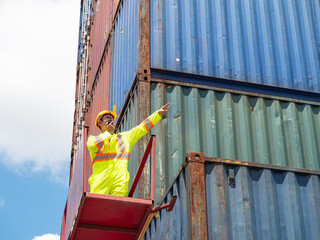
(80, 35)
(82, 74)
(102, 27)
(271, 42)
(227, 125)
(85, 13)
(262, 204)
(125, 57)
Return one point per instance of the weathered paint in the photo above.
(226, 125)
(125, 55)
(144, 37)
(234, 126)
(261, 204)
(271, 42)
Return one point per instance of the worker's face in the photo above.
(107, 123)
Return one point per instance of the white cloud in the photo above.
(48, 236)
(38, 48)
(2, 202)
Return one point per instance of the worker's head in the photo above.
(105, 121)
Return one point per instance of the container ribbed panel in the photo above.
(262, 204)
(228, 125)
(125, 56)
(270, 42)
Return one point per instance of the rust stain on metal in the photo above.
(144, 38)
(222, 201)
(144, 82)
(262, 165)
(251, 108)
(200, 86)
(144, 112)
(196, 191)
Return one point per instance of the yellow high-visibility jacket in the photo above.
(110, 155)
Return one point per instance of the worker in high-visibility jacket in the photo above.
(110, 152)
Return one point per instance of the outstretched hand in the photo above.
(164, 109)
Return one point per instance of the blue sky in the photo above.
(38, 51)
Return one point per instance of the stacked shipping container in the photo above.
(273, 43)
(243, 78)
(240, 200)
(268, 42)
(83, 72)
(231, 125)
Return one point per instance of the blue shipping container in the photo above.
(270, 42)
(125, 56)
(263, 203)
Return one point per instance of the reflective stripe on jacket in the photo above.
(116, 148)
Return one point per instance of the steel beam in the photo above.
(196, 196)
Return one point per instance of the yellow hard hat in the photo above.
(103, 113)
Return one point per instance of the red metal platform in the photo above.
(111, 217)
(96, 216)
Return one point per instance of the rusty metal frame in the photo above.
(169, 206)
(196, 195)
(262, 165)
(191, 156)
(144, 43)
(143, 77)
(221, 89)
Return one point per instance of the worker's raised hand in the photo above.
(164, 109)
(110, 127)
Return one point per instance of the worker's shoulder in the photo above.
(93, 137)
(115, 135)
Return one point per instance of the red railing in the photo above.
(151, 145)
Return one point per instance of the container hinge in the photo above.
(231, 176)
